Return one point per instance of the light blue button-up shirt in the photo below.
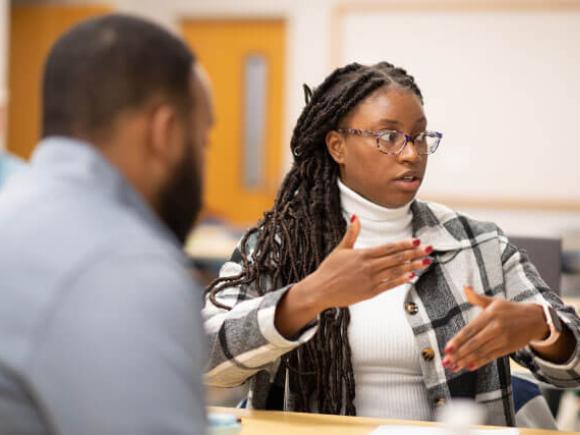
(99, 318)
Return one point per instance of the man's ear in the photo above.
(335, 145)
(164, 130)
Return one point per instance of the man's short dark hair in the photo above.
(106, 65)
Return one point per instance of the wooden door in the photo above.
(245, 62)
(33, 30)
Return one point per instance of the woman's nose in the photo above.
(408, 153)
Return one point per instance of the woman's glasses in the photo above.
(393, 141)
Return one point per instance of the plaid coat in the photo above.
(245, 345)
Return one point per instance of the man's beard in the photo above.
(180, 200)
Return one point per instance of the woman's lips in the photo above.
(410, 184)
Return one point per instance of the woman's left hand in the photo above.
(502, 328)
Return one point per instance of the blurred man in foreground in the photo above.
(99, 327)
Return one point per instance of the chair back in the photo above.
(546, 255)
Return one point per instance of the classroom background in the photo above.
(500, 79)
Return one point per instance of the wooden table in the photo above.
(293, 423)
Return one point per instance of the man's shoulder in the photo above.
(55, 239)
(54, 218)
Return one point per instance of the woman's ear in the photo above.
(335, 145)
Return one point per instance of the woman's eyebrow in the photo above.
(395, 122)
(388, 121)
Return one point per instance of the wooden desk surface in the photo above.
(292, 423)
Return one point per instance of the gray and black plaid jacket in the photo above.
(245, 345)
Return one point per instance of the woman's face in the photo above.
(385, 179)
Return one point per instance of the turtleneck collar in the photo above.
(377, 223)
(353, 203)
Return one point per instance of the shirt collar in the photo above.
(81, 164)
(429, 226)
(354, 203)
(428, 223)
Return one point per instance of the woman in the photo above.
(372, 319)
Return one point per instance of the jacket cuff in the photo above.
(267, 314)
(561, 372)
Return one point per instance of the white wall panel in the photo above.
(503, 87)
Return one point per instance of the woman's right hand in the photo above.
(348, 276)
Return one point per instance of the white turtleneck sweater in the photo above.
(385, 358)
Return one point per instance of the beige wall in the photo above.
(317, 41)
(502, 87)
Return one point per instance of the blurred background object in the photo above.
(500, 80)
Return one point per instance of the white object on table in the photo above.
(223, 424)
(426, 430)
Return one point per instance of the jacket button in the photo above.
(428, 354)
(411, 308)
(440, 401)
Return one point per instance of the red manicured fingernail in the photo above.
(412, 275)
(449, 349)
(353, 218)
(416, 242)
(471, 366)
(427, 262)
(429, 249)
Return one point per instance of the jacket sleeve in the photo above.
(524, 284)
(244, 339)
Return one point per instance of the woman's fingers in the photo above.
(372, 270)
(394, 273)
(398, 264)
(475, 298)
(402, 258)
(393, 248)
(491, 355)
(396, 282)
(500, 329)
(474, 349)
(490, 312)
(486, 354)
(469, 331)
(351, 234)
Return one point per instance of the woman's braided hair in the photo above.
(304, 226)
